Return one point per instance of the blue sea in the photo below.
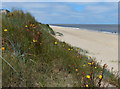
(107, 28)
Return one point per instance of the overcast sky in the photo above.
(69, 12)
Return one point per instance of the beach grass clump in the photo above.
(32, 57)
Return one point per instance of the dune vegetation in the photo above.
(33, 57)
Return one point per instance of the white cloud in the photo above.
(98, 9)
(65, 13)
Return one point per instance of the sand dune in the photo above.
(102, 46)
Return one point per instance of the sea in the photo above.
(106, 28)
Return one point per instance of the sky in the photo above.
(60, 0)
(68, 12)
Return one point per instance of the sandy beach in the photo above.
(102, 46)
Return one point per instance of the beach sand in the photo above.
(102, 46)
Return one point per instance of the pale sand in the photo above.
(102, 46)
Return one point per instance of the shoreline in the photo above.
(100, 45)
(108, 32)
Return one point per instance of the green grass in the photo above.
(46, 62)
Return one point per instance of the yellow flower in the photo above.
(89, 63)
(76, 70)
(92, 63)
(56, 43)
(31, 25)
(26, 26)
(95, 67)
(34, 40)
(87, 76)
(86, 85)
(69, 49)
(5, 30)
(84, 65)
(3, 48)
(100, 76)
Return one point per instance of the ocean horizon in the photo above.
(106, 28)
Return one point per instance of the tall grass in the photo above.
(32, 57)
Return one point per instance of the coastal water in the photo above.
(108, 28)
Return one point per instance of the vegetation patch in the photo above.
(32, 57)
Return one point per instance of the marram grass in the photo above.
(32, 57)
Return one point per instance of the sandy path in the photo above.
(100, 45)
